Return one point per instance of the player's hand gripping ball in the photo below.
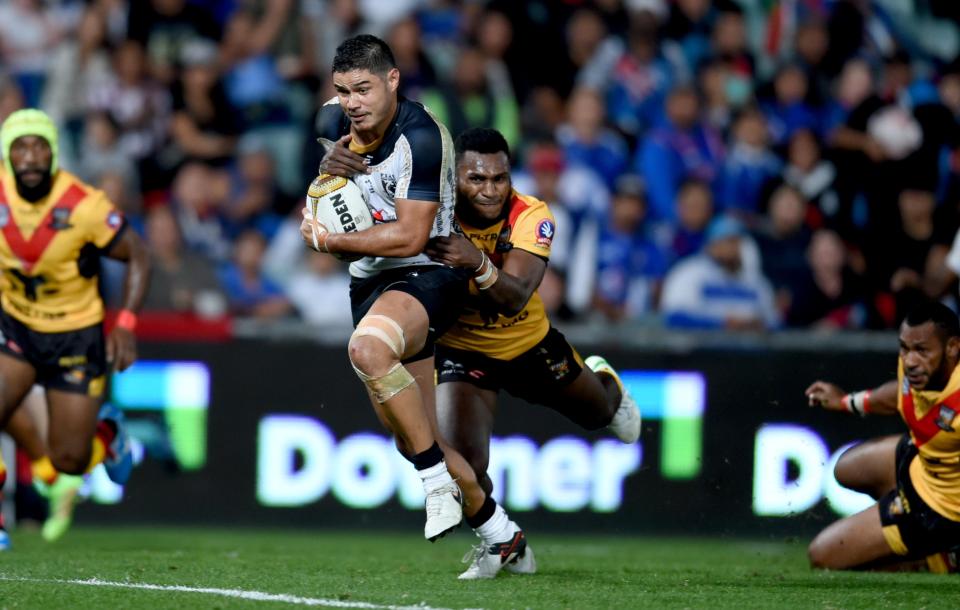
(335, 204)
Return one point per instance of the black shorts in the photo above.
(537, 375)
(921, 529)
(441, 290)
(72, 361)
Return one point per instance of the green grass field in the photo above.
(369, 570)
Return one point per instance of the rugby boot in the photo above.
(119, 459)
(62, 497)
(486, 561)
(444, 511)
(626, 421)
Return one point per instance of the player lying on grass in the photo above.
(503, 340)
(402, 159)
(915, 477)
(53, 230)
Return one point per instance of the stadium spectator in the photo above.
(783, 240)
(586, 141)
(579, 201)
(630, 266)
(255, 200)
(694, 211)
(102, 153)
(204, 126)
(834, 296)
(716, 290)
(249, 292)
(320, 291)
(749, 169)
(471, 99)
(164, 28)
(78, 64)
(814, 177)
(182, 280)
(413, 62)
(138, 105)
(897, 263)
(680, 149)
(637, 82)
(29, 34)
(199, 192)
(788, 110)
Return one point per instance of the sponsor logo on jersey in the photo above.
(389, 184)
(114, 220)
(945, 418)
(60, 219)
(4, 216)
(545, 232)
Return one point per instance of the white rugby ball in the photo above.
(338, 204)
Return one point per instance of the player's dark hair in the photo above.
(364, 52)
(939, 314)
(481, 140)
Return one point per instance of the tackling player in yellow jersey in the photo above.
(53, 231)
(914, 477)
(503, 340)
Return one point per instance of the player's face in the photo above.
(31, 158)
(368, 99)
(928, 361)
(483, 184)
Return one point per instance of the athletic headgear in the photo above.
(28, 122)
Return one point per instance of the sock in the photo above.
(3, 473)
(101, 443)
(498, 528)
(431, 468)
(43, 470)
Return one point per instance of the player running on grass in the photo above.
(914, 477)
(53, 229)
(402, 159)
(503, 339)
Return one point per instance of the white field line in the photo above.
(234, 593)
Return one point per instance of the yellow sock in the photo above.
(99, 452)
(43, 470)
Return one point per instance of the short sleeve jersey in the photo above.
(413, 160)
(528, 225)
(49, 253)
(932, 417)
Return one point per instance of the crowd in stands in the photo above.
(738, 164)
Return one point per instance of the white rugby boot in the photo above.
(626, 421)
(486, 561)
(444, 511)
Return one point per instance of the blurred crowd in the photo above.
(739, 164)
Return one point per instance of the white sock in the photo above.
(498, 528)
(435, 476)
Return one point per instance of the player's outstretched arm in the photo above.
(121, 344)
(880, 401)
(510, 287)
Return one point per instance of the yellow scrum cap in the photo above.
(28, 122)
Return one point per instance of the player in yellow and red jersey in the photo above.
(53, 231)
(914, 477)
(503, 340)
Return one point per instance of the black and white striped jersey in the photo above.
(414, 160)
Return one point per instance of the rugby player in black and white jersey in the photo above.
(402, 158)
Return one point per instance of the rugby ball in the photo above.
(338, 204)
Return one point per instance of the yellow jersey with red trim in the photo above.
(527, 225)
(48, 252)
(934, 427)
